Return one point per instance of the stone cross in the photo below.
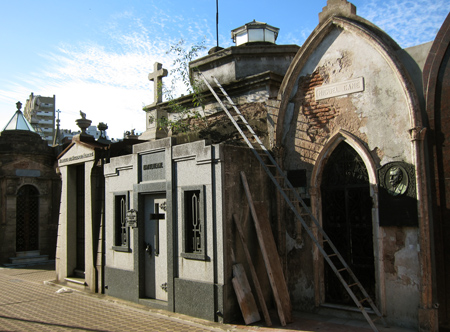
(156, 76)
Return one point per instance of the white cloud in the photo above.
(108, 78)
(107, 81)
(408, 22)
(296, 37)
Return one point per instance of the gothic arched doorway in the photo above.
(27, 219)
(347, 219)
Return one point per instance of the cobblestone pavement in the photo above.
(27, 303)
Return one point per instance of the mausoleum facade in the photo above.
(344, 116)
(29, 195)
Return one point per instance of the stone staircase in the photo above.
(28, 258)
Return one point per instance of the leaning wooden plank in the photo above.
(244, 294)
(255, 279)
(270, 256)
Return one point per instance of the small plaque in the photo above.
(339, 89)
(397, 200)
(131, 218)
(32, 173)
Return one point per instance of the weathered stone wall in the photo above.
(236, 159)
(25, 159)
(372, 116)
(377, 119)
(217, 128)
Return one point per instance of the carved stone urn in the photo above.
(83, 123)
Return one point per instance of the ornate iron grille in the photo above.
(121, 222)
(27, 219)
(347, 219)
(344, 168)
(194, 231)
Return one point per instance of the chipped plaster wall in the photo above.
(373, 115)
(402, 273)
(379, 117)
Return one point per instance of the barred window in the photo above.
(193, 224)
(121, 230)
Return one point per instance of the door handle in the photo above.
(148, 249)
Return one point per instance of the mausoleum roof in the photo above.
(18, 121)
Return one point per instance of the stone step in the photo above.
(28, 253)
(75, 283)
(32, 263)
(28, 259)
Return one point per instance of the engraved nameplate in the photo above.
(152, 166)
(339, 89)
(131, 218)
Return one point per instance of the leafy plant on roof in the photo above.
(181, 73)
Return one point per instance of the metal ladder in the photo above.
(286, 190)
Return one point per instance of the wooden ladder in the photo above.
(292, 198)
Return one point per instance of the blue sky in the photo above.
(95, 56)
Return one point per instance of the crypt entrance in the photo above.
(347, 219)
(155, 245)
(27, 219)
(80, 220)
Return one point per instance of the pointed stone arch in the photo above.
(377, 39)
(329, 147)
(364, 154)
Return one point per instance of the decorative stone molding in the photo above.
(337, 8)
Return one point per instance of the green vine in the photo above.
(188, 117)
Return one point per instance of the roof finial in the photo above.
(337, 8)
(19, 105)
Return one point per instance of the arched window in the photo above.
(27, 219)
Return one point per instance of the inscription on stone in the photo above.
(152, 166)
(74, 158)
(339, 89)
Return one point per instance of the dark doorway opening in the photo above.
(80, 210)
(347, 219)
(27, 219)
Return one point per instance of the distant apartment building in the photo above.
(40, 112)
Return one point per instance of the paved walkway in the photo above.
(27, 303)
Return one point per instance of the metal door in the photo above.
(347, 219)
(155, 238)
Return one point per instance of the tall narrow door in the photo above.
(27, 219)
(155, 245)
(347, 219)
(80, 227)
